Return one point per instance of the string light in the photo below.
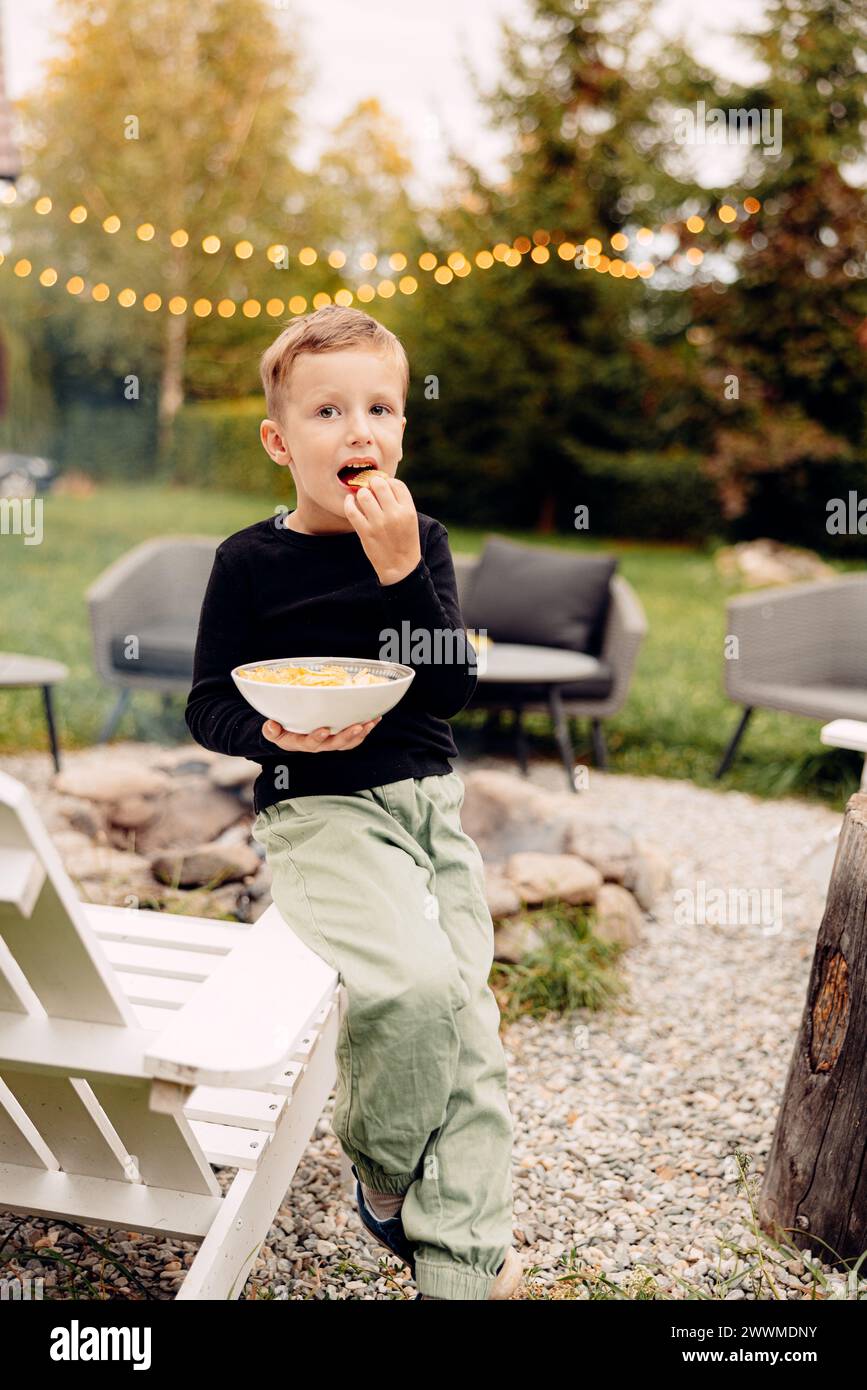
(457, 264)
(308, 255)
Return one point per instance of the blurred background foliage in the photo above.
(535, 388)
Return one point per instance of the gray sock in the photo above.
(383, 1204)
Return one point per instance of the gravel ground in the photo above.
(626, 1123)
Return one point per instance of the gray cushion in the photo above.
(829, 700)
(596, 685)
(164, 649)
(548, 598)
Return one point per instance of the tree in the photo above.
(567, 369)
(174, 113)
(359, 194)
(792, 327)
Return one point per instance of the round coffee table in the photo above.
(513, 663)
(17, 671)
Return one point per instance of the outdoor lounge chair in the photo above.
(139, 1048)
(802, 649)
(603, 691)
(152, 594)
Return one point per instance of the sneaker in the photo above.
(389, 1233)
(509, 1275)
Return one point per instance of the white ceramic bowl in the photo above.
(303, 708)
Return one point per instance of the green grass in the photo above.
(676, 722)
(571, 968)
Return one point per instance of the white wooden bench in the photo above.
(847, 733)
(138, 1048)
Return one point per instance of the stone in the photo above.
(260, 886)
(133, 812)
(71, 843)
(257, 907)
(134, 890)
(192, 813)
(648, 875)
(188, 758)
(504, 813)
(205, 864)
(607, 848)
(500, 892)
(227, 898)
(538, 877)
(763, 562)
(618, 916)
(103, 861)
(233, 773)
(109, 781)
(515, 939)
(82, 815)
(237, 834)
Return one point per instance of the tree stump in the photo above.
(815, 1184)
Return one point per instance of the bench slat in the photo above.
(163, 929)
(245, 1109)
(159, 960)
(156, 990)
(229, 1147)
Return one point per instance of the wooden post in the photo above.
(815, 1184)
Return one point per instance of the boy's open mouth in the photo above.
(355, 475)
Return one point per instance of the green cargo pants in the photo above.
(386, 886)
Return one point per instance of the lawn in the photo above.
(675, 723)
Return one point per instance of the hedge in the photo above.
(649, 496)
(216, 444)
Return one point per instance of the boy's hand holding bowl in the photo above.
(321, 704)
(321, 740)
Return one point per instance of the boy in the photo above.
(361, 828)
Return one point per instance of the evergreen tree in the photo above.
(789, 333)
(545, 358)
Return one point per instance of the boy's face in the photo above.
(339, 406)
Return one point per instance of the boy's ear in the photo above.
(271, 435)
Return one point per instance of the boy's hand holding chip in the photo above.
(386, 520)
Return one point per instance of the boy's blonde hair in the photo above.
(325, 330)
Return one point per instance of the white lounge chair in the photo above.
(139, 1048)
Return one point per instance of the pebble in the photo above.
(623, 1147)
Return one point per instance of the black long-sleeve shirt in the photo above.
(274, 592)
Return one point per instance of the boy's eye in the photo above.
(378, 406)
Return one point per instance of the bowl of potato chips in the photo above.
(304, 693)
